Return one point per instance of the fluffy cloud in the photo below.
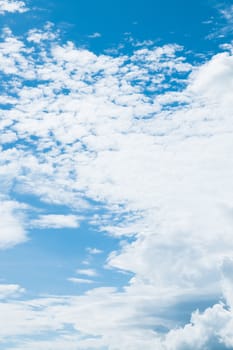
(209, 330)
(131, 323)
(12, 229)
(10, 290)
(12, 6)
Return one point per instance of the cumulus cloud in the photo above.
(12, 6)
(206, 331)
(38, 36)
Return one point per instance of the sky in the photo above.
(116, 169)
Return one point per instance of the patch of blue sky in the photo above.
(161, 21)
(187, 24)
(52, 255)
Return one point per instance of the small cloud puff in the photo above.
(80, 280)
(87, 272)
(12, 6)
(94, 251)
(56, 221)
(94, 35)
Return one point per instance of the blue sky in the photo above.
(116, 175)
(167, 21)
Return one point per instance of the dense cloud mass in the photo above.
(148, 136)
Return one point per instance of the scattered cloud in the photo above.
(87, 272)
(94, 35)
(143, 43)
(56, 221)
(12, 230)
(80, 280)
(39, 35)
(223, 23)
(94, 251)
(10, 290)
(12, 6)
(227, 13)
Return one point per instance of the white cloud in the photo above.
(87, 272)
(209, 329)
(94, 35)
(38, 36)
(94, 251)
(222, 23)
(10, 290)
(56, 221)
(12, 229)
(205, 332)
(80, 280)
(227, 13)
(12, 6)
(47, 33)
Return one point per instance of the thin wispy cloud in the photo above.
(87, 272)
(80, 280)
(94, 251)
(223, 23)
(56, 221)
(10, 290)
(94, 35)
